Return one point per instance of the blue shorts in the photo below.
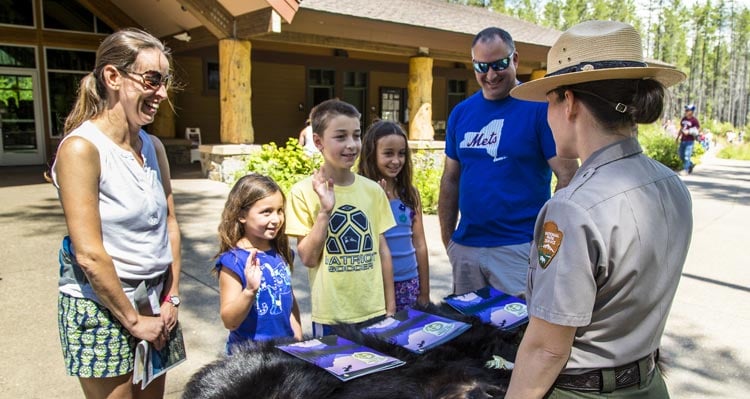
(94, 343)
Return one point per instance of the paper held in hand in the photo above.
(150, 363)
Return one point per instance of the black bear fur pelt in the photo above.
(456, 369)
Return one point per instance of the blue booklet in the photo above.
(151, 363)
(342, 358)
(415, 330)
(491, 306)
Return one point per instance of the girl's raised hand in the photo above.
(323, 186)
(252, 271)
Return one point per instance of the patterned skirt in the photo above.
(407, 292)
(94, 343)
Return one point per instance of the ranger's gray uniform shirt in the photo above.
(607, 255)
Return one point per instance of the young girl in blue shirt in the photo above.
(386, 159)
(254, 265)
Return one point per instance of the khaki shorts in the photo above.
(504, 268)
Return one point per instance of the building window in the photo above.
(321, 84)
(17, 57)
(17, 112)
(17, 12)
(212, 77)
(70, 15)
(392, 104)
(355, 91)
(456, 93)
(65, 69)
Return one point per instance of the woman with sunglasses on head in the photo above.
(608, 249)
(120, 264)
(500, 156)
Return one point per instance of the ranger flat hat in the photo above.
(591, 51)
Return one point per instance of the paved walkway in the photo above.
(706, 337)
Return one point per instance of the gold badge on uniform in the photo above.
(547, 249)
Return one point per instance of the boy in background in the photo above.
(339, 218)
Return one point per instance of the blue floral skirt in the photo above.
(407, 292)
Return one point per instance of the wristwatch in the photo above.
(174, 300)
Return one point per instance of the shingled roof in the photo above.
(437, 14)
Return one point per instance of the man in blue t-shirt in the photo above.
(500, 155)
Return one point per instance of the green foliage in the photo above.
(718, 128)
(286, 165)
(658, 146)
(428, 168)
(289, 164)
(739, 152)
(663, 148)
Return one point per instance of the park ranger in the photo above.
(608, 249)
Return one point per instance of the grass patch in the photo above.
(735, 151)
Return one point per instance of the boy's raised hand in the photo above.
(252, 271)
(323, 186)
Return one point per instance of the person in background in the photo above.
(500, 155)
(306, 139)
(609, 249)
(669, 128)
(120, 265)
(339, 219)
(386, 159)
(689, 132)
(254, 265)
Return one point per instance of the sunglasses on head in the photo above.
(152, 79)
(497, 66)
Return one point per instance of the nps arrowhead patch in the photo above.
(547, 249)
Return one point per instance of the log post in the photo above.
(235, 92)
(420, 98)
(537, 74)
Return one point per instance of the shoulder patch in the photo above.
(547, 249)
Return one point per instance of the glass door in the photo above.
(21, 140)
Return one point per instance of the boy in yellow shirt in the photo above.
(339, 218)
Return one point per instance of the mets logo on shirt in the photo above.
(486, 139)
(550, 243)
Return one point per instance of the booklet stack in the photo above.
(491, 306)
(415, 330)
(342, 358)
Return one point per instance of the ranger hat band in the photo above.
(592, 51)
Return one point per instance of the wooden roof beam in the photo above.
(109, 13)
(285, 8)
(359, 45)
(254, 23)
(211, 14)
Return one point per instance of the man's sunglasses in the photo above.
(152, 79)
(497, 66)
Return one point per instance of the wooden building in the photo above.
(250, 70)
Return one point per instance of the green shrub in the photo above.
(286, 165)
(660, 147)
(289, 164)
(739, 152)
(428, 168)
